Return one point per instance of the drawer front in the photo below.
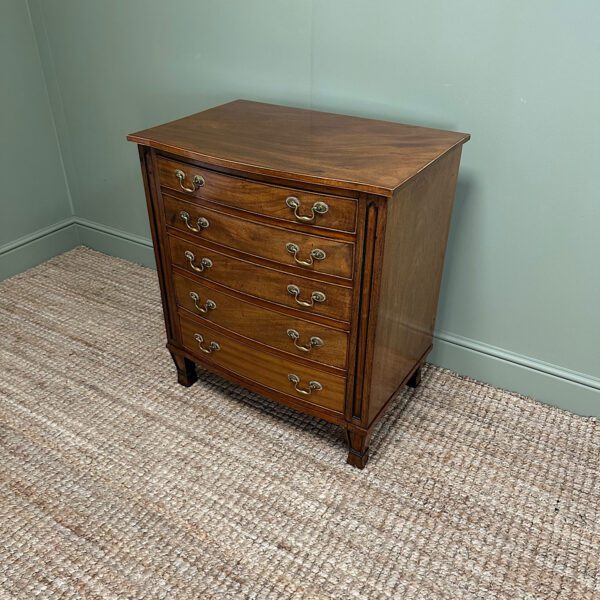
(262, 367)
(293, 291)
(316, 210)
(296, 336)
(282, 245)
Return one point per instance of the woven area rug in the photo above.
(115, 482)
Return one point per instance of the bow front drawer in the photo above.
(310, 296)
(296, 206)
(298, 337)
(294, 248)
(303, 383)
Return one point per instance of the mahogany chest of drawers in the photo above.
(300, 253)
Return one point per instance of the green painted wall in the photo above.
(520, 298)
(34, 202)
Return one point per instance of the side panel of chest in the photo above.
(413, 250)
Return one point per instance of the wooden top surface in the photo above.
(304, 145)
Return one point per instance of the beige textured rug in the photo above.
(115, 482)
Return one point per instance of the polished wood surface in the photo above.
(417, 226)
(259, 198)
(257, 324)
(262, 282)
(259, 240)
(309, 146)
(274, 372)
(389, 190)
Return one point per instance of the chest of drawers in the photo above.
(300, 253)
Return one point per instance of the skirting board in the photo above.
(116, 242)
(575, 392)
(33, 249)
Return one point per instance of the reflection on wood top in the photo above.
(316, 147)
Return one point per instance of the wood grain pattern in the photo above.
(418, 221)
(260, 240)
(259, 198)
(263, 282)
(239, 358)
(161, 251)
(366, 309)
(268, 327)
(309, 146)
(389, 190)
(296, 403)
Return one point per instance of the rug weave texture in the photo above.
(116, 482)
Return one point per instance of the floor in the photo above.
(115, 482)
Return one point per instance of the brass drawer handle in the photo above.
(212, 347)
(205, 263)
(313, 342)
(313, 386)
(197, 182)
(294, 290)
(318, 208)
(208, 305)
(315, 254)
(201, 223)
